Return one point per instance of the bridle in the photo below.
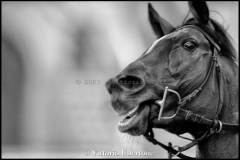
(214, 125)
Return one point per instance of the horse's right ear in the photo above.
(200, 11)
(159, 25)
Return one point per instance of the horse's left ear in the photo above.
(200, 11)
(159, 25)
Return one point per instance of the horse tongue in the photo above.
(154, 111)
(145, 115)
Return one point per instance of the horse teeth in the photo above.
(128, 120)
(132, 111)
(124, 124)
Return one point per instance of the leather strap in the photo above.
(196, 118)
(150, 137)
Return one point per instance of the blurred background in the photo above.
(56, 58)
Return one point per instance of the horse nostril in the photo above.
(130, 82)
(112, 86)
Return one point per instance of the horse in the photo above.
(186, 82)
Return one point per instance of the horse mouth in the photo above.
(135, 122)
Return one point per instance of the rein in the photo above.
(214, 125)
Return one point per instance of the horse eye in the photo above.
(189, 45)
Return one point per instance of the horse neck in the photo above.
(224, 144)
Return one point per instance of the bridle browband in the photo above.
(214, 125)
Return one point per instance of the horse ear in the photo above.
(200, 11)
(159, 25)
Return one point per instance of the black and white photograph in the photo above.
(120, 79)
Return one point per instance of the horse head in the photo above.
(175, 65)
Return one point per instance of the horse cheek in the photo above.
(176, 63)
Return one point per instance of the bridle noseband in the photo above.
(214, 125)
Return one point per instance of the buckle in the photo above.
(217, 126)
(220, 127)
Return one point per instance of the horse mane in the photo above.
(219, 35)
